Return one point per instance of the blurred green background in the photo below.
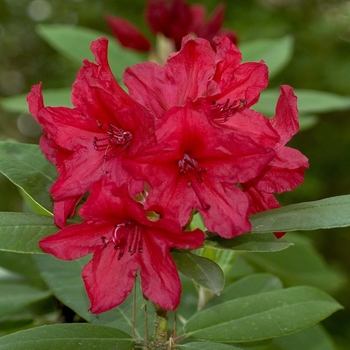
(321, 61)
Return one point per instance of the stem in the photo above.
(160, 328)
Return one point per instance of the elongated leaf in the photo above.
(52, 97)
(325, 213)
(309, 101)
(263, 345)
(16, 295)
(201, 270)
(307, 121)
(67, 337)
(249, 285)
(314, 338)
(300, 264)
(74, 43)
(65, 281)
(26, 167)
(22, 265)
(249, 242)
(20, 232)
(207, 346)
(275, 52)
(262, 316)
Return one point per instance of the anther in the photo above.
(221, 112)
(188, 164)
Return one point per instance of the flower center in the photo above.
(221, 112)
(114, 141)
(126, 237)
(190, 165)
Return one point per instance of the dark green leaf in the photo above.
(262, 316)
(325, 213)
(52, 97)
(9, 325)
(275, 52)
(26, 167)
(249, 242)
(309, 101)
(300, 264)
(65, 281)
(249, 285)
(201, 270)
(207, 346)
(74, 43)
(16, 295)
(23, 265)
(68, 337)
(314, 338)
(20, 232)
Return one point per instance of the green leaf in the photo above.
(309, 101)
(275, 52)
(23, 265)
(248, 285)
(325, 213)
(262, 316)
(52, 97)
(9, 325)
(307, 121)
(207, 346)
(65, 281)
(300, 264)
(20, 232)
(68, 337)
(314, 338)
(201, 270)
(74, 43)
(16, 295)
(25, 166)
(249, 242)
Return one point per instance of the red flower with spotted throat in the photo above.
(123, 240)
(91, 139)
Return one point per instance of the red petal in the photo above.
(64, 209)
(75, 241)
(159, 277)
(127, 34)
(285, 120)
(184, 76)
(109, 280)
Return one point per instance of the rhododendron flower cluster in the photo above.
(174, 19)
(185, 139)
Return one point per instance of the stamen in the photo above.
(126, 236)
(188, 164)
(221, 112)
(114, 141)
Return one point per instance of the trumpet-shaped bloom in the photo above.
(195, 165)
(123, 240)
(92, 139)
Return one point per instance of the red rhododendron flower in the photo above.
(174, 19)
(122, 240)
(218, 81)
(92, 139)
(195, 165)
